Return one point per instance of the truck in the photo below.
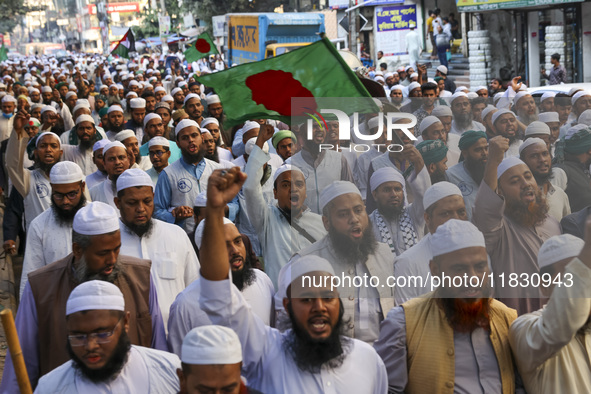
(257, 36)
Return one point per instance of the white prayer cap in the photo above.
(442, 110)
(548, 117)
(383, 175)
(70, 94)
(114, 144)
(103, 87)
(132, 83)
(46, 89)
(442, 69)
(283, 168)
(507, 163)
(132, 178)
(80, 106)
(531, 141)
(207, 121)
(250, 125)
(167, 97)
(45, 108)
(158, 141)
(439, 191)
(182, 83)
(131, 94)
(137, 103)
(413, 75)
(213, 99)
(251, 143)
(558, 248)
(460, 89)
(428, 122)
(84, 118)
(115, 108)
(175, 91)
(124, 134)
(585, 117)
(578, 95)
(191, 96)
(456, 95)
(497, 97)
(574, 130)
(159, 89)
(487, 110)
(472, 95)
(211, 345)
(201, 227)
(574, 90)
(388, 75)
(201, 200)
(519, 96)
(500, 112)
(100, 144)
(95, 295)
(184, 124)
(96, 218)
(47, 133)
(397, 87)
(547, 95)
(113, 85)
(374, 122)
(481, 87)
(299, 267)
(335, 190)
(149, 117)
(65, 172)
(537, 127)
(455, 235)
(204, 130)
(413, 85)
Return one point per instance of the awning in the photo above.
(374, 3)
(492, 5)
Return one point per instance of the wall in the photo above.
(533, 48)
(586, 28)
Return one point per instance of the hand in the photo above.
(265, 133)
(497, 146)
(9, 247)
(20, 120)
(515, 84)
(411, 153)
(223, 186)
(182, 213)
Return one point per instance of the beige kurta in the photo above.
(551, 355)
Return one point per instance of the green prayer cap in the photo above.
(470, 137)
(578, 143)
(433, 151)
(281, 135)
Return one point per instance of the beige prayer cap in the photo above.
(558, 248)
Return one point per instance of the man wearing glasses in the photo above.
(154, 126)
(102, 356)
(50, 235)
(159, 151)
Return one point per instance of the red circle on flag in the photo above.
(275, 88)
(202, 46)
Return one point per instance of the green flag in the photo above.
(3, 53)
(264, 89)
(125, 45)
(202, 47)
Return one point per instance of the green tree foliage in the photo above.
(149, 19)
(11, 13)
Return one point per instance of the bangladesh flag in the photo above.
(202, 47)
(3, 53)
(125, 45)
(265, 89)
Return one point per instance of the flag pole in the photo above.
(16, 352)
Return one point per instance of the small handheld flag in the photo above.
(201, 48)
(125, 45)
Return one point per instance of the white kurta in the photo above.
(413, 264)
(47, 241)
(146, 371)
(94, 179)
(269, 368)
(174, 262)
(145, 163)
(104, 192)
(455, 129)
(185, 313)
(225, 154)
(459, 176)
(5, 127)
(362, 168)
(558, 203)
(551, 356)
(80, 157)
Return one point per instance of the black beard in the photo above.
(141, 230)
(309, 354)
(245, 276)
(391, 213)
(138, 158)
(58, 128)
(45, 167)
(214, 157)
(463, 120)
(527, 215)
(351, 252)
(116, 129)
(112, 368)
(542, 178)
(438, 176)
(82, 274)
(193, 158)
(65, 217)
(475, 169)
(86, 145)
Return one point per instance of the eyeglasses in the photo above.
(69, 195)
(157, 153)
(99, 337)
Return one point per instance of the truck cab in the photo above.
(279, 49)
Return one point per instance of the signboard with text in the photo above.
(244, 33)
(116, 7)
(391, 24)
(490, 5)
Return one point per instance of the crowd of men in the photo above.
(167, 251)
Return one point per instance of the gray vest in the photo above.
(39, 197)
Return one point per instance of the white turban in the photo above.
(439, 191)
(537, 127)
(507, 163)
(184, 124)
(65, 172)
(201, 227)
(46, 89)
(132, 178)
(211, 345)
(383, 175)
(95, 295)
(150, 117)
(548, 117)
(336, 189)
(250, 125)
(201, 200)
(207, 121)
(131, 94)
(96, 218)
(428, 122)
(167, 97)
(455, 235)
(158, 141)
(558, 248)
(124, 134)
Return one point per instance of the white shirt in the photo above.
(174, 262)
(82, 158)
(473, 126)
(269, 368)
(94, 179)
(224, 154)
(145, 163)
(146, 371)
(104, 192)
(413, 262)
(459, 176)
(361, 169)
(558, 203)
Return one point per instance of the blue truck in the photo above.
(257, 36)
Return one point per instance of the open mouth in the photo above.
(356, 232)
(529, 195)
(318, 324)
(93, 359)
(108, 270)
(237, 262)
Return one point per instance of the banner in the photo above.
(164, 25)
(491, 5)
(391, 26)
